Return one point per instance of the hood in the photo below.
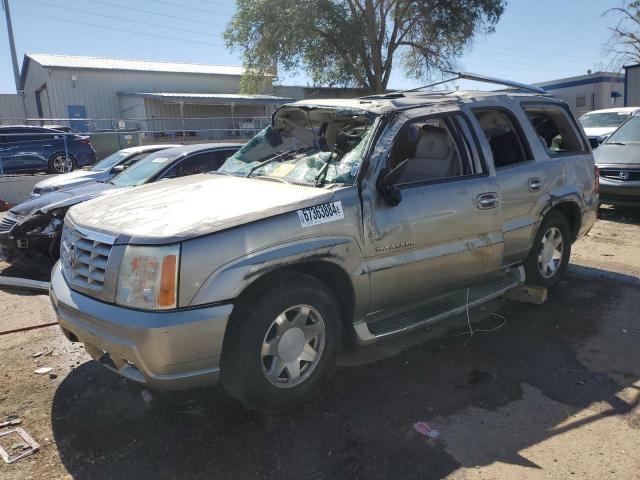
(599, 131)
(68, 179)
(187, 207)
(610, 154)
(62, 198)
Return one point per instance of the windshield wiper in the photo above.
(615, 143)
(276, 158)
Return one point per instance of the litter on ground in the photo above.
(423, 428)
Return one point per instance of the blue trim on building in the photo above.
(585, 81)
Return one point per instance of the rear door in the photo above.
(522, 178)
(445, 232)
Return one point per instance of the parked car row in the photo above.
(343, 219)
(31, 232)
(38, 149)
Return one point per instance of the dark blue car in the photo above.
(36, 149)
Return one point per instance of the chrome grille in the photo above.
(623, 175)
(84, 256)
(6, 224)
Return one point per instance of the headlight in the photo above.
(148, 277)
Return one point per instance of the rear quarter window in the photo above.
(555, 129)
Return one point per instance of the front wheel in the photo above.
(549, 256)
(281, 344)
(61, 163)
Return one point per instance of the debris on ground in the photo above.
(146, 396)
(19, 449)
(53, 376)
(42, 370)
(533, 294)
(37, 354)
(423, 428)
(11, 421)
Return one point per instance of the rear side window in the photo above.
(504, 135)
(555, 129)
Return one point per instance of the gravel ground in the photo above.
(554, 393)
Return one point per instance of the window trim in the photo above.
(456, 136)
(517, 126)
(571, 121)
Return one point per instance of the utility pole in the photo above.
(12, 45)
(14, 58)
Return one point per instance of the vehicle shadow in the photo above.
(361, 424)
(629, 215)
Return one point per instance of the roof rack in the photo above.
(465, 76)
(484, 79)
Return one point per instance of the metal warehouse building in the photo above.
(108, 93)
(592, 91)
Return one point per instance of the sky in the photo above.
(535, 40)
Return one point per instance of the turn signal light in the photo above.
(168, 276)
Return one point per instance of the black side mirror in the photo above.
(594, 142)
(386, 183)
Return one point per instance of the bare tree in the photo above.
(624, 43)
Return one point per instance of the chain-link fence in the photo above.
(56, 145)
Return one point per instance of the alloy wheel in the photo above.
(62, 164)
(551, 252)
(293, 346)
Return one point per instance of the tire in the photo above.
(544, 265)
(258, 365)
(57, 163)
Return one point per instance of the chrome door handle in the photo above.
(488, 200)
(535, 184)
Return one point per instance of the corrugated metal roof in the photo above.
(99, 63)
(211, 98)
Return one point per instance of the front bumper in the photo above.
(623, 193)
(31, 252)
(170, 350)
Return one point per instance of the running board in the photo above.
(440, 307)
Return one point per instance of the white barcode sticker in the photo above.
(327, 212)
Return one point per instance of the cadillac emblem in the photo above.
(73, 256)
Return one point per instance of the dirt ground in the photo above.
(554, 394)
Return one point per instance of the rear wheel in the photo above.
(281, 344)
(59, 163)
(549, 257)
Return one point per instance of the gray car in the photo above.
(344, 219)
(618, 161)
(100, 172)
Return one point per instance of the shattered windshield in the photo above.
(309, 145)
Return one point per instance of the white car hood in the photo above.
(599, 131)
(175, 210)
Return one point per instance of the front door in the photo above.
(79, 112)
(445, 232)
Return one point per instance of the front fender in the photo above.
(231, 279)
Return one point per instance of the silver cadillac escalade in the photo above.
(344, 219)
